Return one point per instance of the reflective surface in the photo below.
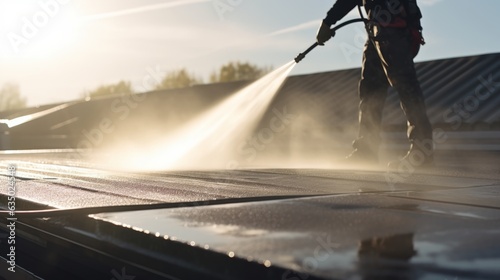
(364, 236)
(360, 224)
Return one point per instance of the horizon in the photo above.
(83, 45)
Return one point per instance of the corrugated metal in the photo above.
(446, 83)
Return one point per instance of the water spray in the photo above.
(333, 31)
(213, 138)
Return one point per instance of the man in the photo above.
(394, 39)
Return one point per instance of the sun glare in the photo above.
(40, 29)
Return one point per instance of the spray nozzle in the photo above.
(300, 57)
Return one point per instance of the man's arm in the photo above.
(339, 10)
(336, 13)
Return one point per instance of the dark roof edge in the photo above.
(417, 62)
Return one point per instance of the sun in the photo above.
(37, 28)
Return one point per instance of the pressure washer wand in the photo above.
(333, 31)
(303, 54)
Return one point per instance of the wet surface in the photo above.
(345, 236)
(443, 223)
(487, 196)
(56, 180)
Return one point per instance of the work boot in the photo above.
(361, 158)
(415, 159)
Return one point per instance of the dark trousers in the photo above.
(388, 61)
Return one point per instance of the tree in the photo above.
(120, 88)
(237, 71)
(10, 98)
(178, 79)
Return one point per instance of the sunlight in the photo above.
(37, 29)
(142, 9)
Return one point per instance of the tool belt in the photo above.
(373, 27)
(375, 33)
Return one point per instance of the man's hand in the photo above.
(324, 34)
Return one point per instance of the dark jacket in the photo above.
(385, 12)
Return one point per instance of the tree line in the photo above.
(182, 78)
(11, 98)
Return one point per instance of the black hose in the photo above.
(348, 22)
(334, 29)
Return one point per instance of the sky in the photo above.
(55, 50)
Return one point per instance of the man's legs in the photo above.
(372, 94)
(395, 52)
